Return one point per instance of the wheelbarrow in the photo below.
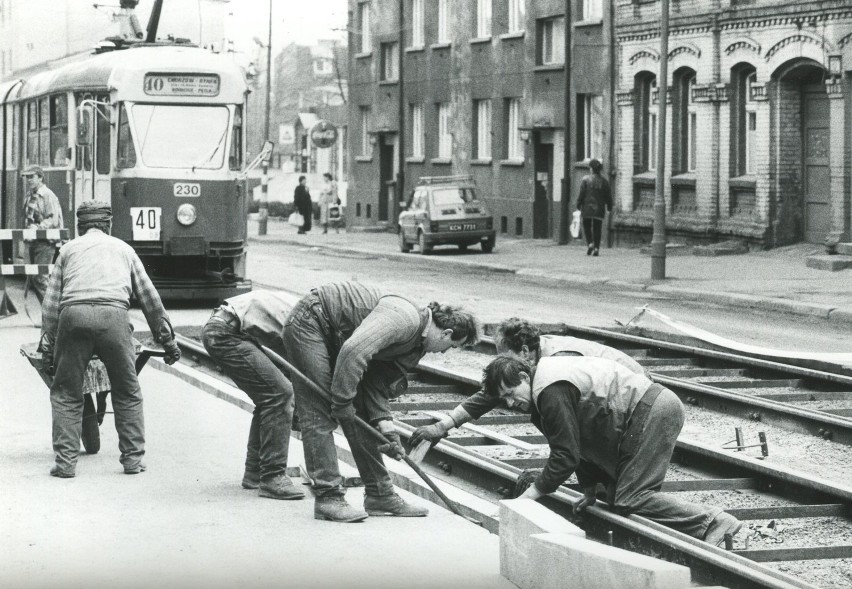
(95, 384)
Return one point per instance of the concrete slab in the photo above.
(844, 249)
(520, 519)
(830, 263)
(591, 565)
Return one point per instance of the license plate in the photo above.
(187, 189)
(146, 223)
(462, 226)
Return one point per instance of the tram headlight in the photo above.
(186, 214)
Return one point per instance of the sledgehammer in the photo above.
(296, 373)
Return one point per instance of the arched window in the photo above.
(683, 122)
(743, 119)
(644, 122)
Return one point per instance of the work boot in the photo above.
(55, 471)
(251, 479)
(392, 505)
(722, 524)
(139, 467)
(590, 249)
(596, 252)
(280, 487)
(336, 509)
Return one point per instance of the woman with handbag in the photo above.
(328, 203)
(302, 201)
(594, 201)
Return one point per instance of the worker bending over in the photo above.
(609, 426)
(233, 336)
(358, 344)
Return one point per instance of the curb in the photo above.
(733, 299)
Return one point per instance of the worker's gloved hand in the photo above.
(47, 365)
(394, 448)
(172, 352)
(428, 432)
(343, 414)
(589, 499)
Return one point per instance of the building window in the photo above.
(365, 130)
(364, 26)
(417, 130)
(684, 120)
(751, 124)
(445, 140)
(591, 10)
(516, 16)
(550, 48)
(743, 120)
(514, 145)
(644, 122)
(417, 32)
(589, 126)
(443, 21)
(390, 69)
(482, 129)
(483, 18)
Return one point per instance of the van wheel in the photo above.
(404, 246)
(425, 248)
(488, 246)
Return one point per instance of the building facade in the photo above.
(758, 141)
(480, 91)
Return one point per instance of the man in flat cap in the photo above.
(85, 312)
(41, 211)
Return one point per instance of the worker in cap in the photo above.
(85, 312)
(41, 211)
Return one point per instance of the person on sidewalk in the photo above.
(41, 211)
(328, 199)
(594, 201)
(610, 426)
(357, 344)
(303, 204)
(521, 339)
(85, 312)
(233, 336)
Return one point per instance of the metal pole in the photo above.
(263, 209)
(658, 241)
(568, 126)
(400, 136)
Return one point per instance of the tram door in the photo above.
(92, 180)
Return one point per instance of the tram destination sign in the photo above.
(206, 85)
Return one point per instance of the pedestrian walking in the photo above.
(594, 201)
(41, 211)
(610, 426)
(303, 204)
(233, 336)
(85, 312)
(358, 344)
(524, 340)
(328, 199)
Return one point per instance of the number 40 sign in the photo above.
(146, 223)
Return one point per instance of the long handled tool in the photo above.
(296, 373)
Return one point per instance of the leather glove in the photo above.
(394, 448)
(343, 414)
(47, 365)
(589, 499)
(428, 432)
(172, 352)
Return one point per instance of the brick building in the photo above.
(483, 94)
(758, 125)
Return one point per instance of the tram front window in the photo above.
(171, 136)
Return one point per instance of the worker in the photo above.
(358, 344)
(41, 211)
(85, 312)
(524, 340)
(233, 336)
(609, 426)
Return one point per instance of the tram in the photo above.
(156, 129)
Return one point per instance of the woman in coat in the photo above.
(328, 198)
(594, 200)
(302, 202)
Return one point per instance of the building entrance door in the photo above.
(816, 185)
(386, 182)
(543, 188)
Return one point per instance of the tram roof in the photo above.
(124, 71)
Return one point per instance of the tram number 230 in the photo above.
(146, 223)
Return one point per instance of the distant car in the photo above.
(445, 210)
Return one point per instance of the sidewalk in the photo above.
(775, 280)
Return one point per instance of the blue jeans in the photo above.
(85, 330)
(310, 348)
(246, 364)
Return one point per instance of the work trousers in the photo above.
(592, 229)
(40, 252)
(644, 458)
(272, 394)
(310, 347)
(85, 330)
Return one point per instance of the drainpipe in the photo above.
(612, 113)
(568, 159)
(400, 134)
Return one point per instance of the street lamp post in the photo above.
(263, 209)
(658, 241)
(568, 126)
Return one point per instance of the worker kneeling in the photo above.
(610, 426)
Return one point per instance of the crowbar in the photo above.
(295, 372)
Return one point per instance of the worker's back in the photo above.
(96, 269)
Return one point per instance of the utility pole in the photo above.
(658, 241)
(263, 210)
(400, 135)
(568, 159)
